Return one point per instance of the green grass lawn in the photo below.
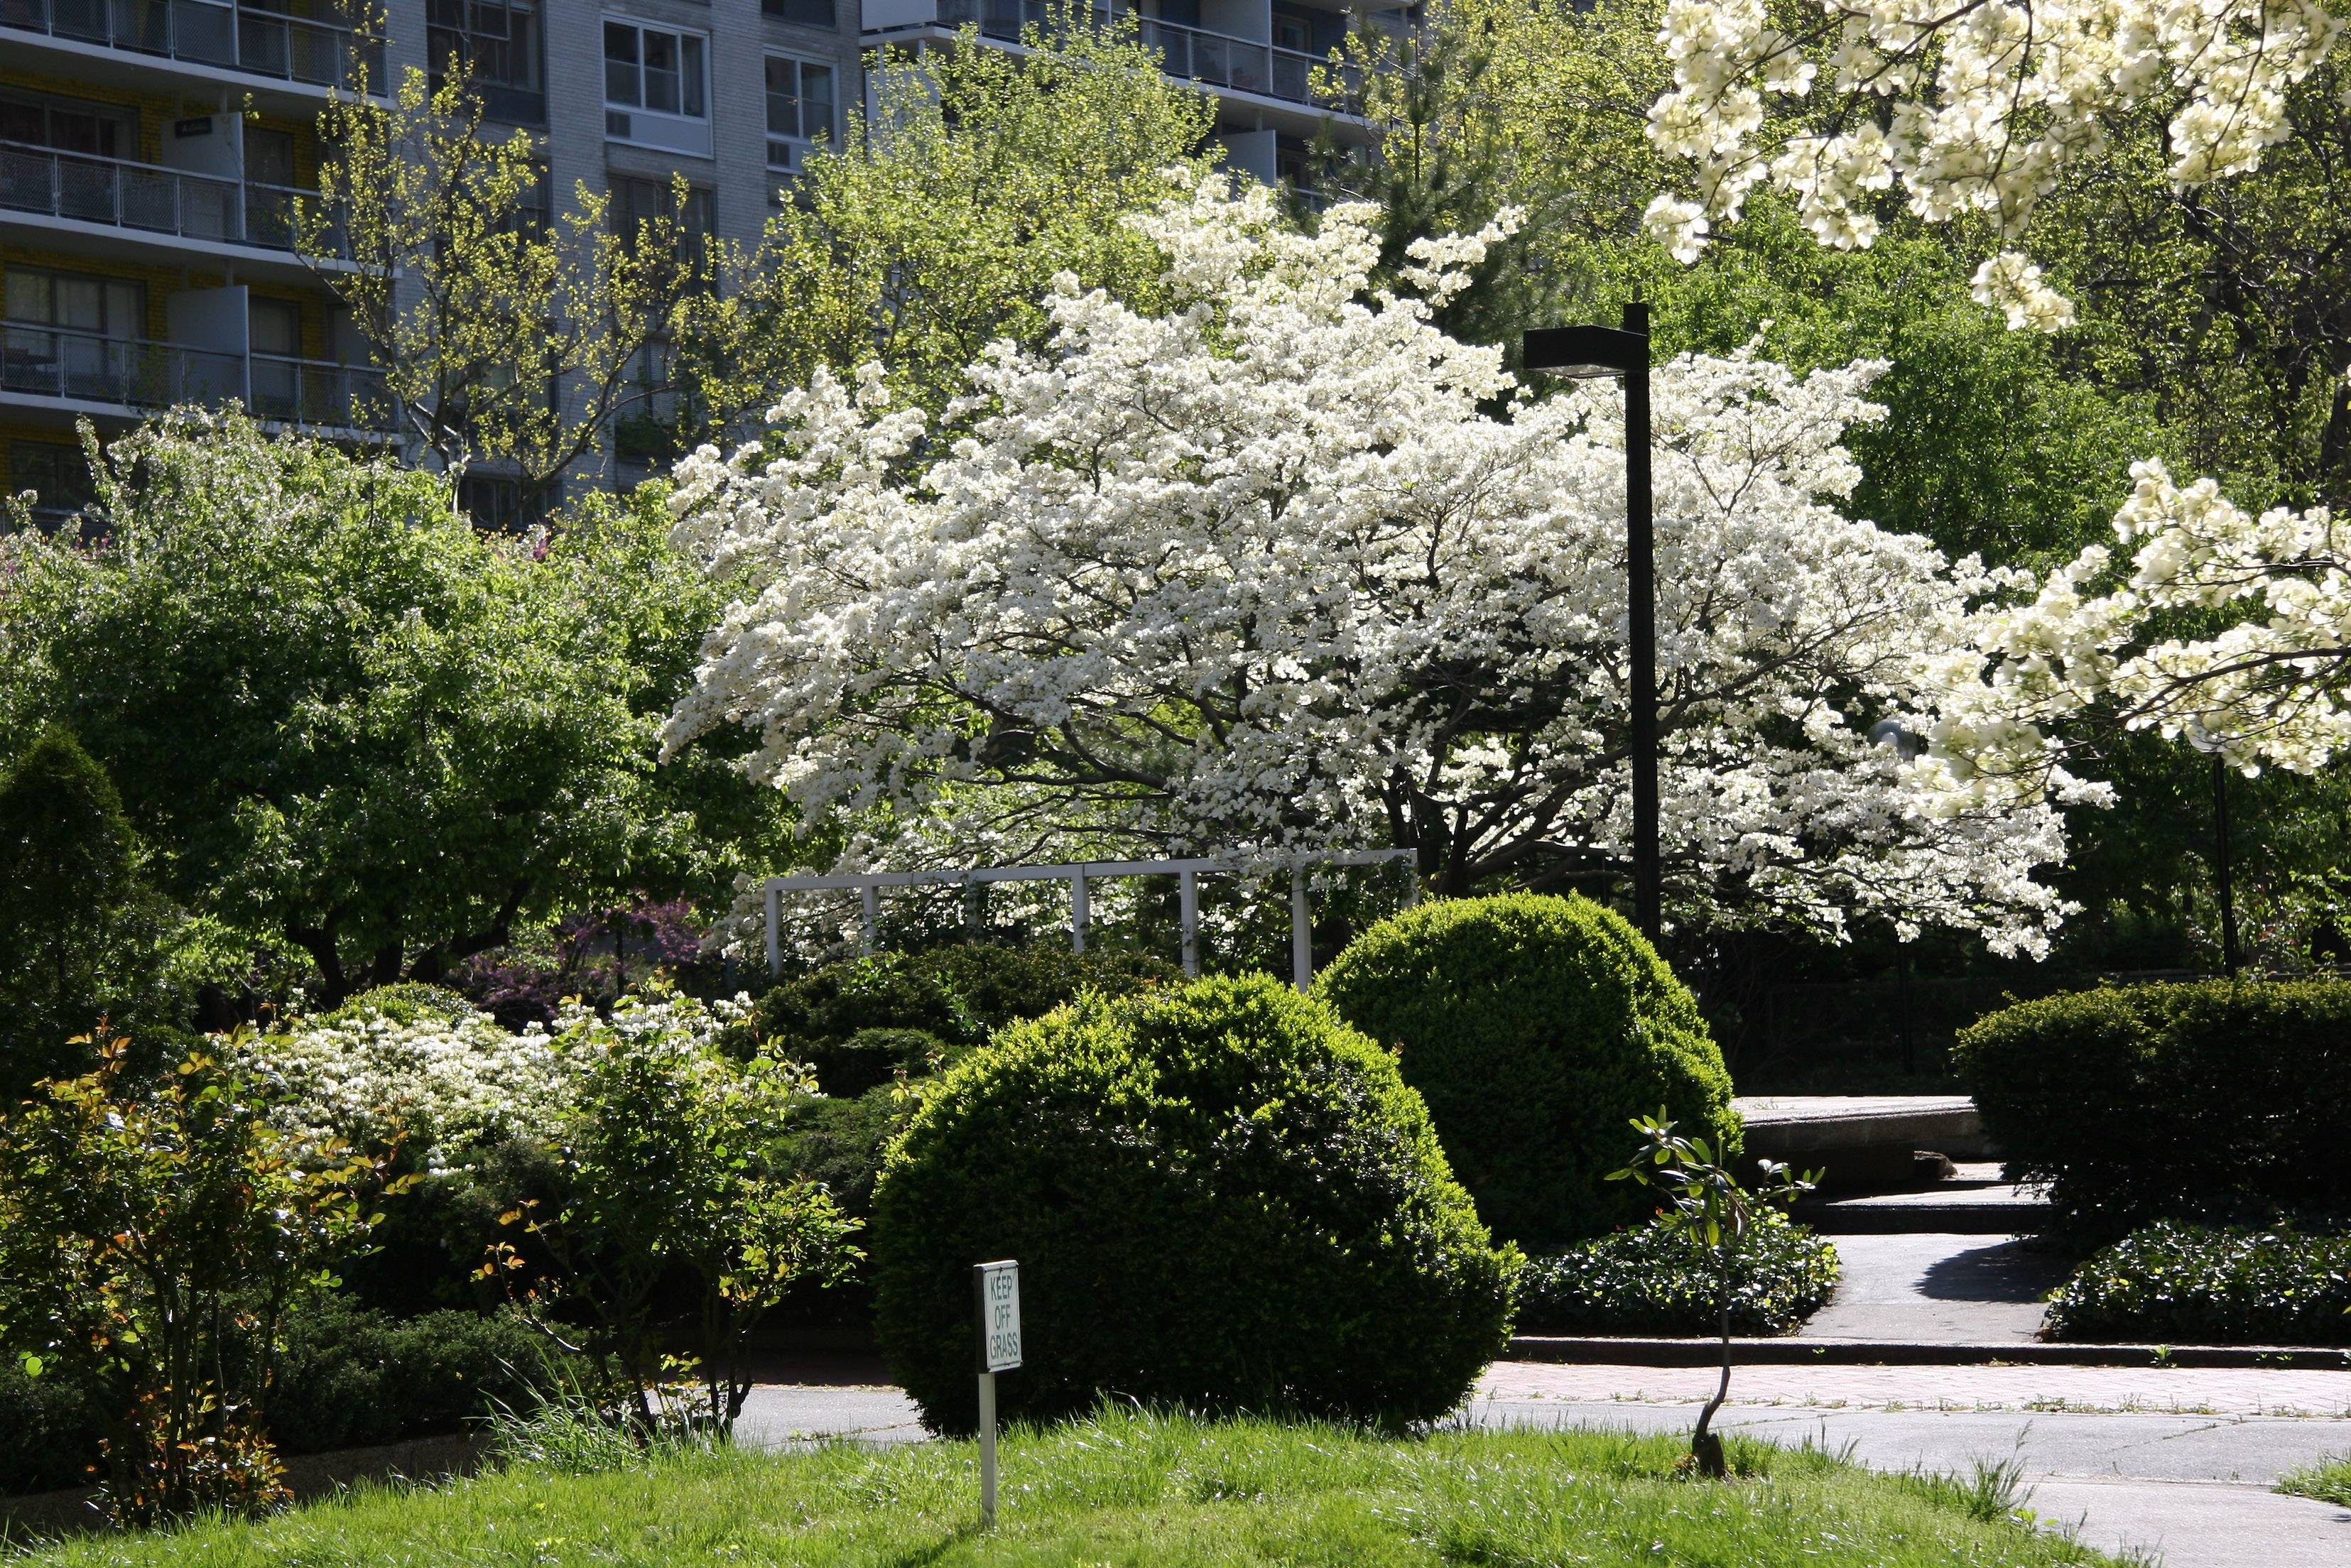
(1130, 1488)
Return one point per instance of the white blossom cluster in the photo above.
(448, 1082)
(1263, 571)
(1971, 108)
(2267, 689)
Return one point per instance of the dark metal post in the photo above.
(1641, 583)
(2227, 888)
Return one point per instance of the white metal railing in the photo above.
(1185, 872)
(135, 373)
(264, 43)
(118, 192)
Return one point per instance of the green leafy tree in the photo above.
(153, 1234)
(83, 936)
(940, 224)
(507, 334)
(348, 725)
(665, 1155)
(1707, 1204)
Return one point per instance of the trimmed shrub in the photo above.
(1000, 984)
(1220, 1198)
(2173, 1283)
(1649, 1281)
(2220, 1100)
(1535, 1028)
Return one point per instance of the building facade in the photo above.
(151, 151)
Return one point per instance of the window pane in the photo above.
(28, 296)
(691, 67)
(126, 309)
(620, 64)
(79, 302)
(661, 71)
(783, 106)
(816, 88)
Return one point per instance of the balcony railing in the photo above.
(88, 367)
(264, 43)
(124, 194)
(1217, 60)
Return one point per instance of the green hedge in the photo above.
(1220, 1198)
(1650, 1281)
(2177, 1283)
(1535, 1027)
(348, 1377)
(956, 995)
(2221, 1099)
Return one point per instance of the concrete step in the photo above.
(1994, 1210)
(1595, 1350)
(1862, 1142)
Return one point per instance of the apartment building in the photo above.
(151, 151)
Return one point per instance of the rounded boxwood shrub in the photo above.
(1220, 1198)
(2223, 1100)
(1536, 1028)
(1649, 1280)
(2172, 1282)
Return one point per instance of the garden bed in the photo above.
(1648, 1282)
(2175, 1282)
(1130, 1488)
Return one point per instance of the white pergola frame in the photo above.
(1185, 872)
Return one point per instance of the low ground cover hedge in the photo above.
(2172, 1282)
(1170, 1492)
(348, 1377)
(2221, 1100)
(1220, 1198)
(1648, 1280)
(1536, 1027)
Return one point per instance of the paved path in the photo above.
(2178, 1462)
(1935, 1287)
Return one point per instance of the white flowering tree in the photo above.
(1281, 566)
(2101, 640)
(1975, 108)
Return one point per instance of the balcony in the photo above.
(198, 32)
(140, 376)
(114, 192)
(1193, 54)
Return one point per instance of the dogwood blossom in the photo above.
(2267, 688)
(1264, 570)
(1975, 108)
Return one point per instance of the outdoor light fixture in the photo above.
(1624, 352)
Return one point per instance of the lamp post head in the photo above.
(1586, 352)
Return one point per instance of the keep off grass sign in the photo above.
(999, 1316)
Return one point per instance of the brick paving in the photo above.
(2214, 1391)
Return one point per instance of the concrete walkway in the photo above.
(2172, 1462)
(1936, 1288)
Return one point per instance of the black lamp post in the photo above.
(2228, 882)
(1624, 352)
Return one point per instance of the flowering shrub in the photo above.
(445, 1078)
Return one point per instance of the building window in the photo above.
(497, 42)
(655, 88)
(636, 202)
(101, 306)
(802, 105)
(70, 125)
(802, 13)
(58, 475)
(652, 67)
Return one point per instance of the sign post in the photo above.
(998, 1287)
